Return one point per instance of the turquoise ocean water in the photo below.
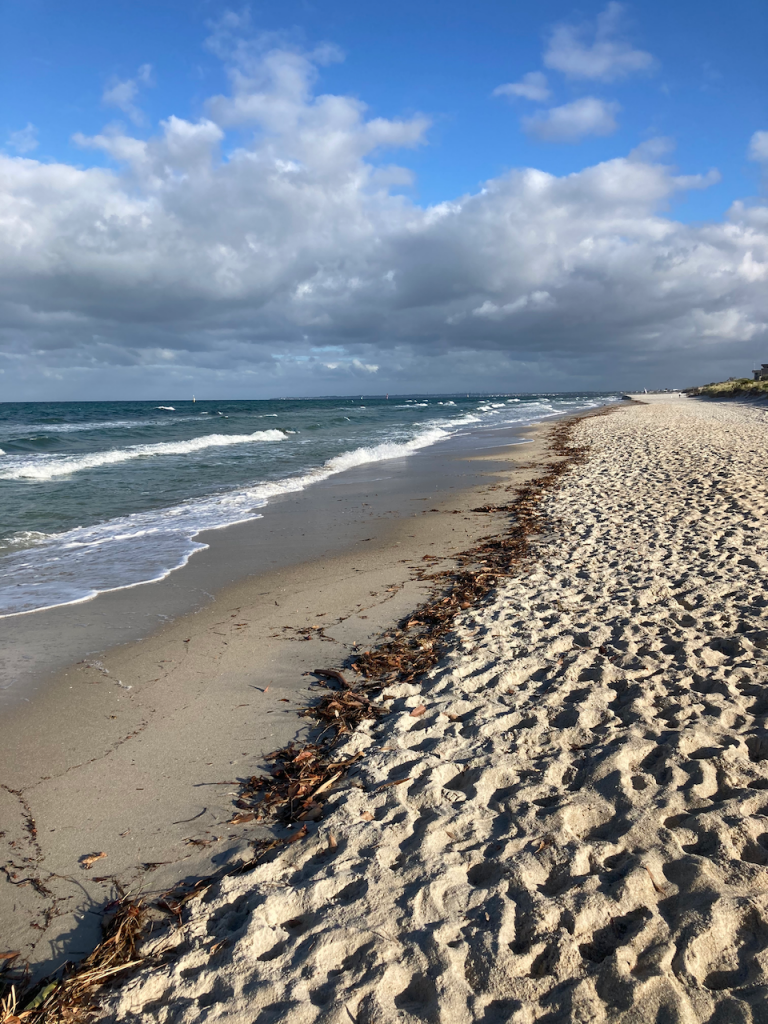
(96, 496)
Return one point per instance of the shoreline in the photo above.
(292, 528)
(166, 743)
(79, 577)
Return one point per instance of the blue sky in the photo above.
(463, 94)
(708, 91)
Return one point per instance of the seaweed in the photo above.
(298, 785)
(69, 997)
(302, 775)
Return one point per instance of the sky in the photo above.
(304, 198)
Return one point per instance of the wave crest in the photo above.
(51, 466)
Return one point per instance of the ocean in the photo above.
(97, 496)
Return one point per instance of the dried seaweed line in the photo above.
(290, 793)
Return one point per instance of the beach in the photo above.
(383, 589)
(147, 705)
(580, 830)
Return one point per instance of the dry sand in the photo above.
(583, 835)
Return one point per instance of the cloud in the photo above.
(286, 264)
(653, 149)
(573, 121)
(121, 93)
(182, 145)
(758, 147)
(607, 58)
(24, 140)
(532, 86)
(536, 300)
(272, 88)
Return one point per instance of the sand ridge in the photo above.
(583, 830)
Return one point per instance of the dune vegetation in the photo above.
(741, 387)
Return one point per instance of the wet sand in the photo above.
(134, 751)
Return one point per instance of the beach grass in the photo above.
(738, 388)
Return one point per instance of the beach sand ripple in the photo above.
(583, 833)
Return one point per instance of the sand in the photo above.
(135, 751)
(583, 835)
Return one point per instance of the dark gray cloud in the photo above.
(287, 264)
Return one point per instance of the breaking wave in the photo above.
(52, 466)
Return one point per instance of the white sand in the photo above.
(588, 840)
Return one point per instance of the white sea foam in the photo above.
(22, 539)
(47, 467)
(167, 408)
(347, 460)
(386, 450)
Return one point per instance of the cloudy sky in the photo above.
(331, 197)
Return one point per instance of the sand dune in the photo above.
(583, 835)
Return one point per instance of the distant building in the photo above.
(761, 374)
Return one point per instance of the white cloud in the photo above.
(536, 300)
(24, 140)
(605, 59)
(752, 269)
(182, 146)
(732, 324)
(122, 93)
(653, 149)
(758, 147)
(698, 181)
(573, 121)
(532, 86)
(287, 262)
